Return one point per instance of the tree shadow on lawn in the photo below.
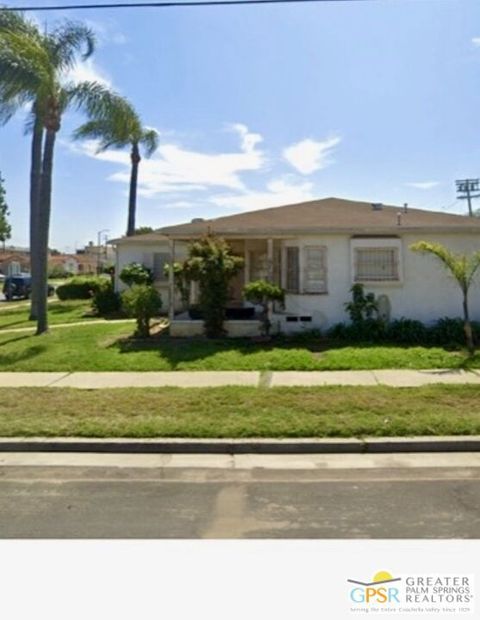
(19, 356)
(177, 351)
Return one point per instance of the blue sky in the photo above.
(268, 105)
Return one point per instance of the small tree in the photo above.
(212, 264)
(262, 293)
(362, 307)
(136, 273)
(142, 302)
(5, 228)
(463, 269)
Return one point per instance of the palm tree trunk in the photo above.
(467, 325)
(43, 231)
(35, 184)
(132, 199)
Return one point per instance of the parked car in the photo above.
(20, 287)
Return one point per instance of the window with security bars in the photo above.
(376, 264)
(293, 270)
(315, 270)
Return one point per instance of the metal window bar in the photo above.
(293, 270)
(376, 264)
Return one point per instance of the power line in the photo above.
(163, 5)
(466, 190)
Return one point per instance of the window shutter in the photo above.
(315, 270)
(293, 270)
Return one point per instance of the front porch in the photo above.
(276, 260)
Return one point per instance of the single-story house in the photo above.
(8, 258)
(74, 264)
(316, 251)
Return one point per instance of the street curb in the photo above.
(244, 446)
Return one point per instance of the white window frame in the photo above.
(376, 244)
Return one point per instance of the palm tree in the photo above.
(463, 268)
(33, 67)
(120, 129)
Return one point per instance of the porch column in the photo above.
(246, 263)
(171, 281)
(270, 273)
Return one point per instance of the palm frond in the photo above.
(15, 21)
(67, 40)
(150, 141)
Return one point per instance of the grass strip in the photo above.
(229, 412)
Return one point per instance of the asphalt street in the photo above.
(192, 496)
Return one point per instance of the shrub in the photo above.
(142, 302)
(105, 300)
(262, 292)
(79, 287)
(212, 264)
(136, 273)
(407, 331)
(363, 306)
(451, 332)
(368, 330)
(57, 272)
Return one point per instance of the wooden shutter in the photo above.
(315, 280)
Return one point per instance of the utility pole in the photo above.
(467, 190)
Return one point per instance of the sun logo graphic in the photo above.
(378, 591)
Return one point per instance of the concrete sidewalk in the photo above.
(263, 379)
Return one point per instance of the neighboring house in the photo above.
(7, 258)
(74, 264)
(316, 250)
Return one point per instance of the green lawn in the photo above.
(109, 347)
(241, 412)
(58, 312)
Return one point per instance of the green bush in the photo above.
(136, 273)
(79, 287)
(105, 300)
(407, 331)
(212, 264)
(367, 330)
(57, 272)
(451, 332)
(142, 302)
(262, 292)
(363, 307)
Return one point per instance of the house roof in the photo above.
(327, 215)
(147, 237)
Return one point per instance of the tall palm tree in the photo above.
(120, 129)
(463, 269)
(33, 67)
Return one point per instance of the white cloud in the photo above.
(88, 71)
(423, 184)
(176, 169)
(279, 191)
(476, 41)
(249, 139)
(309, 155)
